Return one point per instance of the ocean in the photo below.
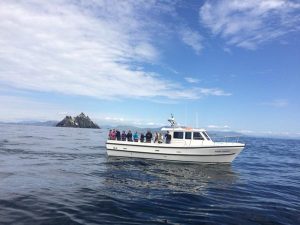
(52, 175)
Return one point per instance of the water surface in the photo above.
(52, 175)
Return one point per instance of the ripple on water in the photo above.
(63, 176)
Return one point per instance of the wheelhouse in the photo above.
(180, 134)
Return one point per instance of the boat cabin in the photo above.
(187, 135)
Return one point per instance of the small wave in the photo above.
(62, 176)
(5, 174)
(26, 136)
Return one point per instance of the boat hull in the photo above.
(217, 153)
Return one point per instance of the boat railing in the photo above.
(226, 139)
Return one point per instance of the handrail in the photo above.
(227, 138)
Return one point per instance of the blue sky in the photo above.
(234, 65)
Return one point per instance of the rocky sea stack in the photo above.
(80, 121)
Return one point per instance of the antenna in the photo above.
(172, 121)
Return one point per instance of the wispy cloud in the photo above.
(192, 38)
(114, 119)
(88, 48)
(192, 80)
(127, 121)
(228, 50)
(248, 24)
(279, 103)
(213, 91)
(218, 127)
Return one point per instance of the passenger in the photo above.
(148, 136)
(118, 135)
(129, 136)
(142, 138)
(113, 134)
(160, 138)
(136, 137)
(123, 136)
(168, 137)
(110, 135)
(155, 137)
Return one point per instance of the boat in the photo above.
(187, 145)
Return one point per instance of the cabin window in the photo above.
(205, 134)
(178, 135)
(188, 135)
(197, 136)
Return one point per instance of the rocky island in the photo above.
(80, 121)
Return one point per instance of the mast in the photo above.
(172, 121)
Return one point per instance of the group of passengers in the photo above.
(115, 134)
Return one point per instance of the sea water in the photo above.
(52, 175)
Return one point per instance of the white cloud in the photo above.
(88, 48)
(114, 119)
(249, 23)
(191, 38)
(213, 91)
(146, 51)
(192, 80)
(218, 127)
(127, 121)
(280, 103)
(228, 50)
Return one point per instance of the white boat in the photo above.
(187, 145)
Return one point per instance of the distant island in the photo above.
(80, 121)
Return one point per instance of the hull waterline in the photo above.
(222, 153)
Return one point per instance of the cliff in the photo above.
(80, 121)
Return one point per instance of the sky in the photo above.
(220, 65)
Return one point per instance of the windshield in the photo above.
(206, 136)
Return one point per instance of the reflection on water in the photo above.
(129, 173)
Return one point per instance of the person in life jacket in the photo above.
(136, 137)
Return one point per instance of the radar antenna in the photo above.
(172, 121)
